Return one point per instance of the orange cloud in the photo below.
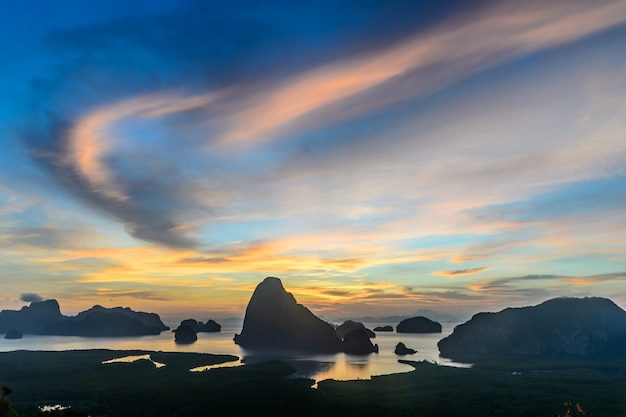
(583, 281)
(461, 48)
(463, 259)
(476, 287)
(91, 140)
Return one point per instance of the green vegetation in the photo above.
(526, 388)
(433, 390)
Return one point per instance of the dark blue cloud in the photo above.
(30, 297)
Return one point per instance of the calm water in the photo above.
(338, 366)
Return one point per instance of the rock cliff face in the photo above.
(274, 320)
(418, 324)
(30, 319)
(580, 327)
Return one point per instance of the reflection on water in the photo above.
(343, 371)
(130, 359)
(318, 367)
(230, 364)
(339, 366)
(56, 407)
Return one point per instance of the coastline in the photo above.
(79, 379)
(337, 366)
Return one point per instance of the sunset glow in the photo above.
(456, 156)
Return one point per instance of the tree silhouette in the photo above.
(5, 404)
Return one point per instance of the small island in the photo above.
(211, 326)
(350, 325)
(418, 324)
(383, 328)
(357, 342)
(401, 349)
(13, 334)
(185, 335)
(275, 321)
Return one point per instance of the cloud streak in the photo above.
(232, 119)
(439, 57)
(459, 272)
(241, 146)
(92, 139)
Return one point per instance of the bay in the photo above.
(339, 366)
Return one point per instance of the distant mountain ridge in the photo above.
(440, 317)
(579, 327)
(45, 318)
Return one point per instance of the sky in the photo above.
(380, 157)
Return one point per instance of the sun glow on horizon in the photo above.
(415, 156)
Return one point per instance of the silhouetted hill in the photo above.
(383, 329)
(100, 324)
(148, 319)
(274, 320)
(211, 326)
(582, 327)
(185, 334)
(440, 317)
(30, 319)
(45, 318)
(401, 349)
(358, 342)
(13, 334)
(418, 325)
(349, 326)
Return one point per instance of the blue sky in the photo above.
(379, 157)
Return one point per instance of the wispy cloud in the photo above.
(188, 151)
(428, 61)
(596, 279)
(131, 294)
(458, 272)
(92, 139)
(439, 57)
(508, 282)
(536, 288)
